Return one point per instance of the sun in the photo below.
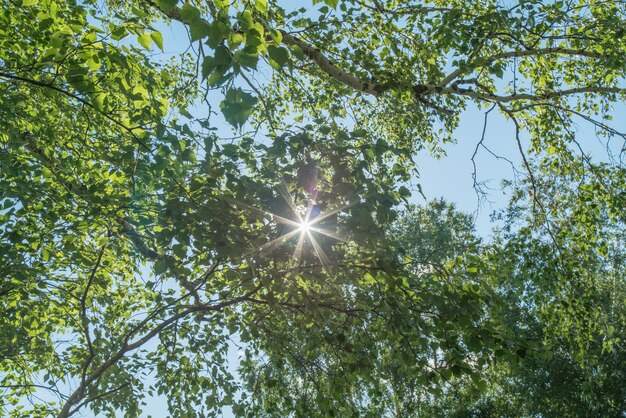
(306, 222)
(305, 226)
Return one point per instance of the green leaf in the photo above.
(166, 5)
(261, 5)
(297, 51)
(237, 106)
(222, 56)
(189, 13)
(180, 250)
(278, 56)
(119, 33)
(248, 57)
(208, 64)
(245, 20)
(222, 5)
(277, 36)
(199, 28)
(145, 40)
(235, 39)
(93, 63)
(219, 31)
(157, 38)
(160, 267)
(98, 101)
(217, 78)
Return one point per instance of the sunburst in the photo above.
(305, 224)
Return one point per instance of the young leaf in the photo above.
(261, 5)
(157, 38)
(222, 4)
(145, 40)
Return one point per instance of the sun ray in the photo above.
(284, 191)
(328, 233)
(309, 209)
(321, 255)
(279, 218)
(331, 212)
(297, 254)
(280, 240)
(304, 226)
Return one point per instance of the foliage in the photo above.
(563, 295)
(139, 242)
(424, 325)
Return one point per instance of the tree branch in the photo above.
(76, 396)
(323, 63)
(524, 53)
(522, 96)
(83, 314)
(77, 98)
(375, 89)
(314, 54)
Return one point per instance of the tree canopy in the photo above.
(140, 240)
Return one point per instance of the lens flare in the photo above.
(305, 222)
(305, 226)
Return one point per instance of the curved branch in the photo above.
(323, 63)
(314, 54)
(77, 395)
(83, 313)
(418, 91)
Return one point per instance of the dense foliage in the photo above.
(140, 241)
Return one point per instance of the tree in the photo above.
(563, 294)
(424, 328)
(278, 236)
